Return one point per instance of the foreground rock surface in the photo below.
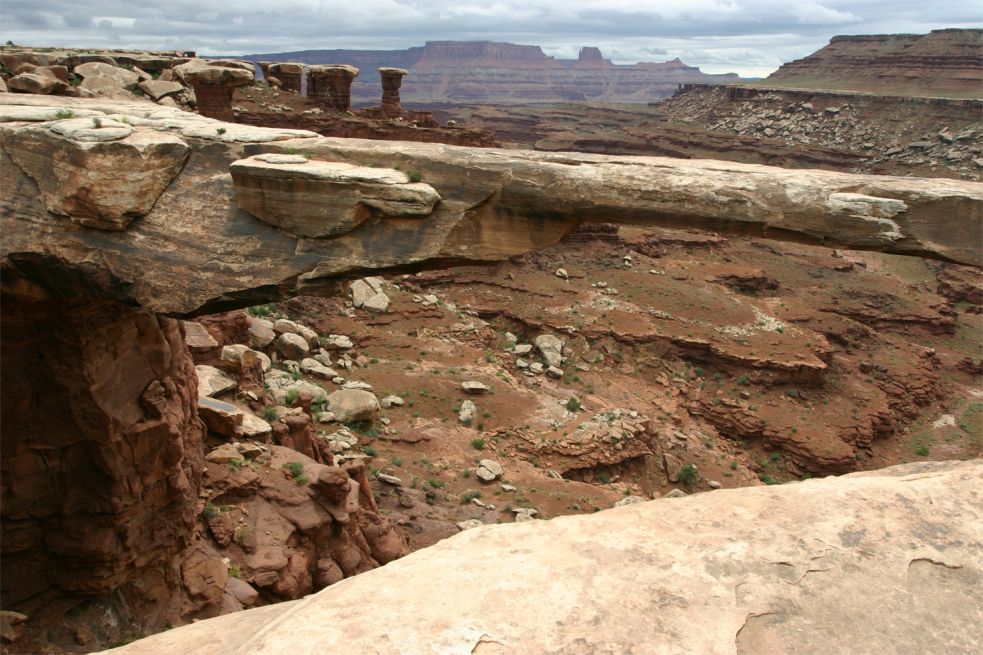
(902, 547)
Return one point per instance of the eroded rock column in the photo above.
(213, 89)
(332, 85)
(102, 451)
(392, 79)
(290, 75)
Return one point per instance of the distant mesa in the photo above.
(490, 72)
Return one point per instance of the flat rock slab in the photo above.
(320, 199)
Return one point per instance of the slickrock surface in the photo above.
(495, 204)
(890, 561)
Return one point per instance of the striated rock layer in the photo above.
(785, 569)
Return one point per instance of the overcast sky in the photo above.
(751, 37)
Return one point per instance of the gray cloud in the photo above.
(752, 37)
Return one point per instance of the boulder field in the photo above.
(887, 561)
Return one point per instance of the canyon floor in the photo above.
(750, 361)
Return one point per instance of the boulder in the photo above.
(551, 348)
(292, 346)
(468, 412)
(36, 83)
(157, 89)
(222, 418)
(212, 381)
(392, 401)
(261, 332)
(488, 470)
(474, 387)
(100, 77)
(283, 326)
(353, 405)
(316, 368)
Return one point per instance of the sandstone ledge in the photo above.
(193, 249)
(885, 561)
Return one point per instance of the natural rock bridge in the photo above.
(120, 218)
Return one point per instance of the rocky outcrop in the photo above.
(785, 568)
(213, 85)
(290, 75)
(392, 78)
(942, 62)
(332, 84)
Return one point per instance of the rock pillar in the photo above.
(290, 75)
(332, 85)
(213, 87)
(392, 79)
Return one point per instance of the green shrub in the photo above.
(467, 497)
(292, 396)
(295, 469)
(922, 451)
(209, 512)
(415, 176)
(270, 414)
(370, 451)
(573, 405)
(478, 444)
(64, 113)
(688, 475)
(260, 311)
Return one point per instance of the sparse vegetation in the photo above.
(220, 131)
(573, 405)
(62, 114)
(478, 444)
